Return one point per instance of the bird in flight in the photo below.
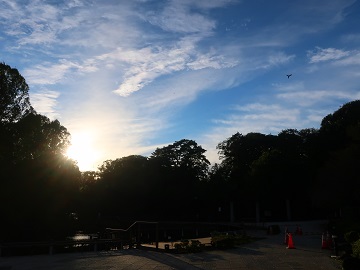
(288, 75)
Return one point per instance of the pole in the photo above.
(157, 236)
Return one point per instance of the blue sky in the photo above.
(128, 76)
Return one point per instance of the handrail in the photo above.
(98, 241)
(138, 231)
(136, 222)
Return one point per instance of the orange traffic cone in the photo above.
(300, 232)
(290, 242)
(324, 242)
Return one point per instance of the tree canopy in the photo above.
(184, 154)
(14, 95)
(38, 184)
(36, 135)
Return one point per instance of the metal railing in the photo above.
(137, 225)
(139, 232)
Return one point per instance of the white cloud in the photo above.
(211, 61)
(279, 58)
(328, 54)
(185, 87)
(45, 102)
(33, 23)
(289, 87)
(352, 59)
(181, 17)
(263, 118)
(147, 64)
(307, 98)
(49, 73)
(272, 114)
(254, 117)
(316, 116)
(69, 23)
(91, 27)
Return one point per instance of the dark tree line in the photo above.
(38, 184)
(297, 174)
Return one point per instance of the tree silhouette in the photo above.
(38, 184)
(183, 166)
(14, 95)
(36, 135)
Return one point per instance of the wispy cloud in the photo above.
(177, 17)
(148, 64)
(288, 87)
(37, 22)
(48, 73)
(45, 102)
(353, 58)
(89, 25)
(253, 117)
(181, 53)
(328, 54)
(280, 58)
(307, 98)
(77, 24)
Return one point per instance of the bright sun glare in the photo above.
(82, 149)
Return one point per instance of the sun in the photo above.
(83, 150)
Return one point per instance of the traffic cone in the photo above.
(290, 242)
(324, 242)
(300, 232)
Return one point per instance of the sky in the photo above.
(128, 76)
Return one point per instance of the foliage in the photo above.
(182, 245)
(220, 240)
(186, 246)
(340, 164)
(178, 170)
(37, 135)
(88, 180)
(356, 248)
(228, 240)
(343, 122)
(123, 180)
(351, 236)
(239, 151)
(39, 186)
(185, 155)
(14, 95)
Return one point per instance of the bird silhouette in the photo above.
(289, 75)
